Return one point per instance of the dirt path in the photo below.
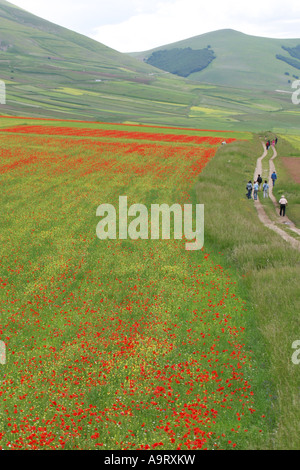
(260, 209)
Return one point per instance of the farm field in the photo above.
(118, 343)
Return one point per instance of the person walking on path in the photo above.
(283, 203)
(255, 190)
(249, 189)
(259, 180)
(273, 177)
(265, 189)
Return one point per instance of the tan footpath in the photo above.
(260, 210)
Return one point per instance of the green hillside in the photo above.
(241, 61)
(182, 62)
(52, 72)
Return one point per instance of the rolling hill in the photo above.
(52, 72)
(240, 60)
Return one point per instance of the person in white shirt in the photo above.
(283, 203)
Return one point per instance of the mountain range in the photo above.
(238, 60)
(223, 79)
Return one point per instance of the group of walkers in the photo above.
(268, 143)
(257, 185)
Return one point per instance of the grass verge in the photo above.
(286, 185)
(269, 270)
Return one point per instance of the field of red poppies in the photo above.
(114, 344)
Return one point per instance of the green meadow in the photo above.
(141, 344)
(268, 272)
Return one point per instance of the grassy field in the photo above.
(268, 275)
(117, 344)
(140, 344)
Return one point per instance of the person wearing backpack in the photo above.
(273, 177)
(259, 180)
(249, 189)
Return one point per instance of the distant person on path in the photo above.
(265, 189)
(249, 189)
(259, 180)
(273, 143)
(276, 140)
(268, 145)
(273, 177)
(283, 203)
(255, 190)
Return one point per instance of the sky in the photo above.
(140, 25)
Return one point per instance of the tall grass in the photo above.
(269, 271)
(288, 147)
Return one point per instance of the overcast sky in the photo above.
(139, 25)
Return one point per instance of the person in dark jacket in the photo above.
(259, 180)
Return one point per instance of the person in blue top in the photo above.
(273, 177)
(249, 189)
(265, 188)
(255, 190)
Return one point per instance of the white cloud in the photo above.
(87, 14)
(136, 25)
(182, 19)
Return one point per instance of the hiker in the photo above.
(283, 203)
(273, 177)
(265, 189)
(273, 143)
(276, 140)
(249, 189)
(255, 190)
(259, 180)
(268, 144)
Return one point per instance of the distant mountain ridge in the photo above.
(26, 34)
(241, 60)
(52, 72)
